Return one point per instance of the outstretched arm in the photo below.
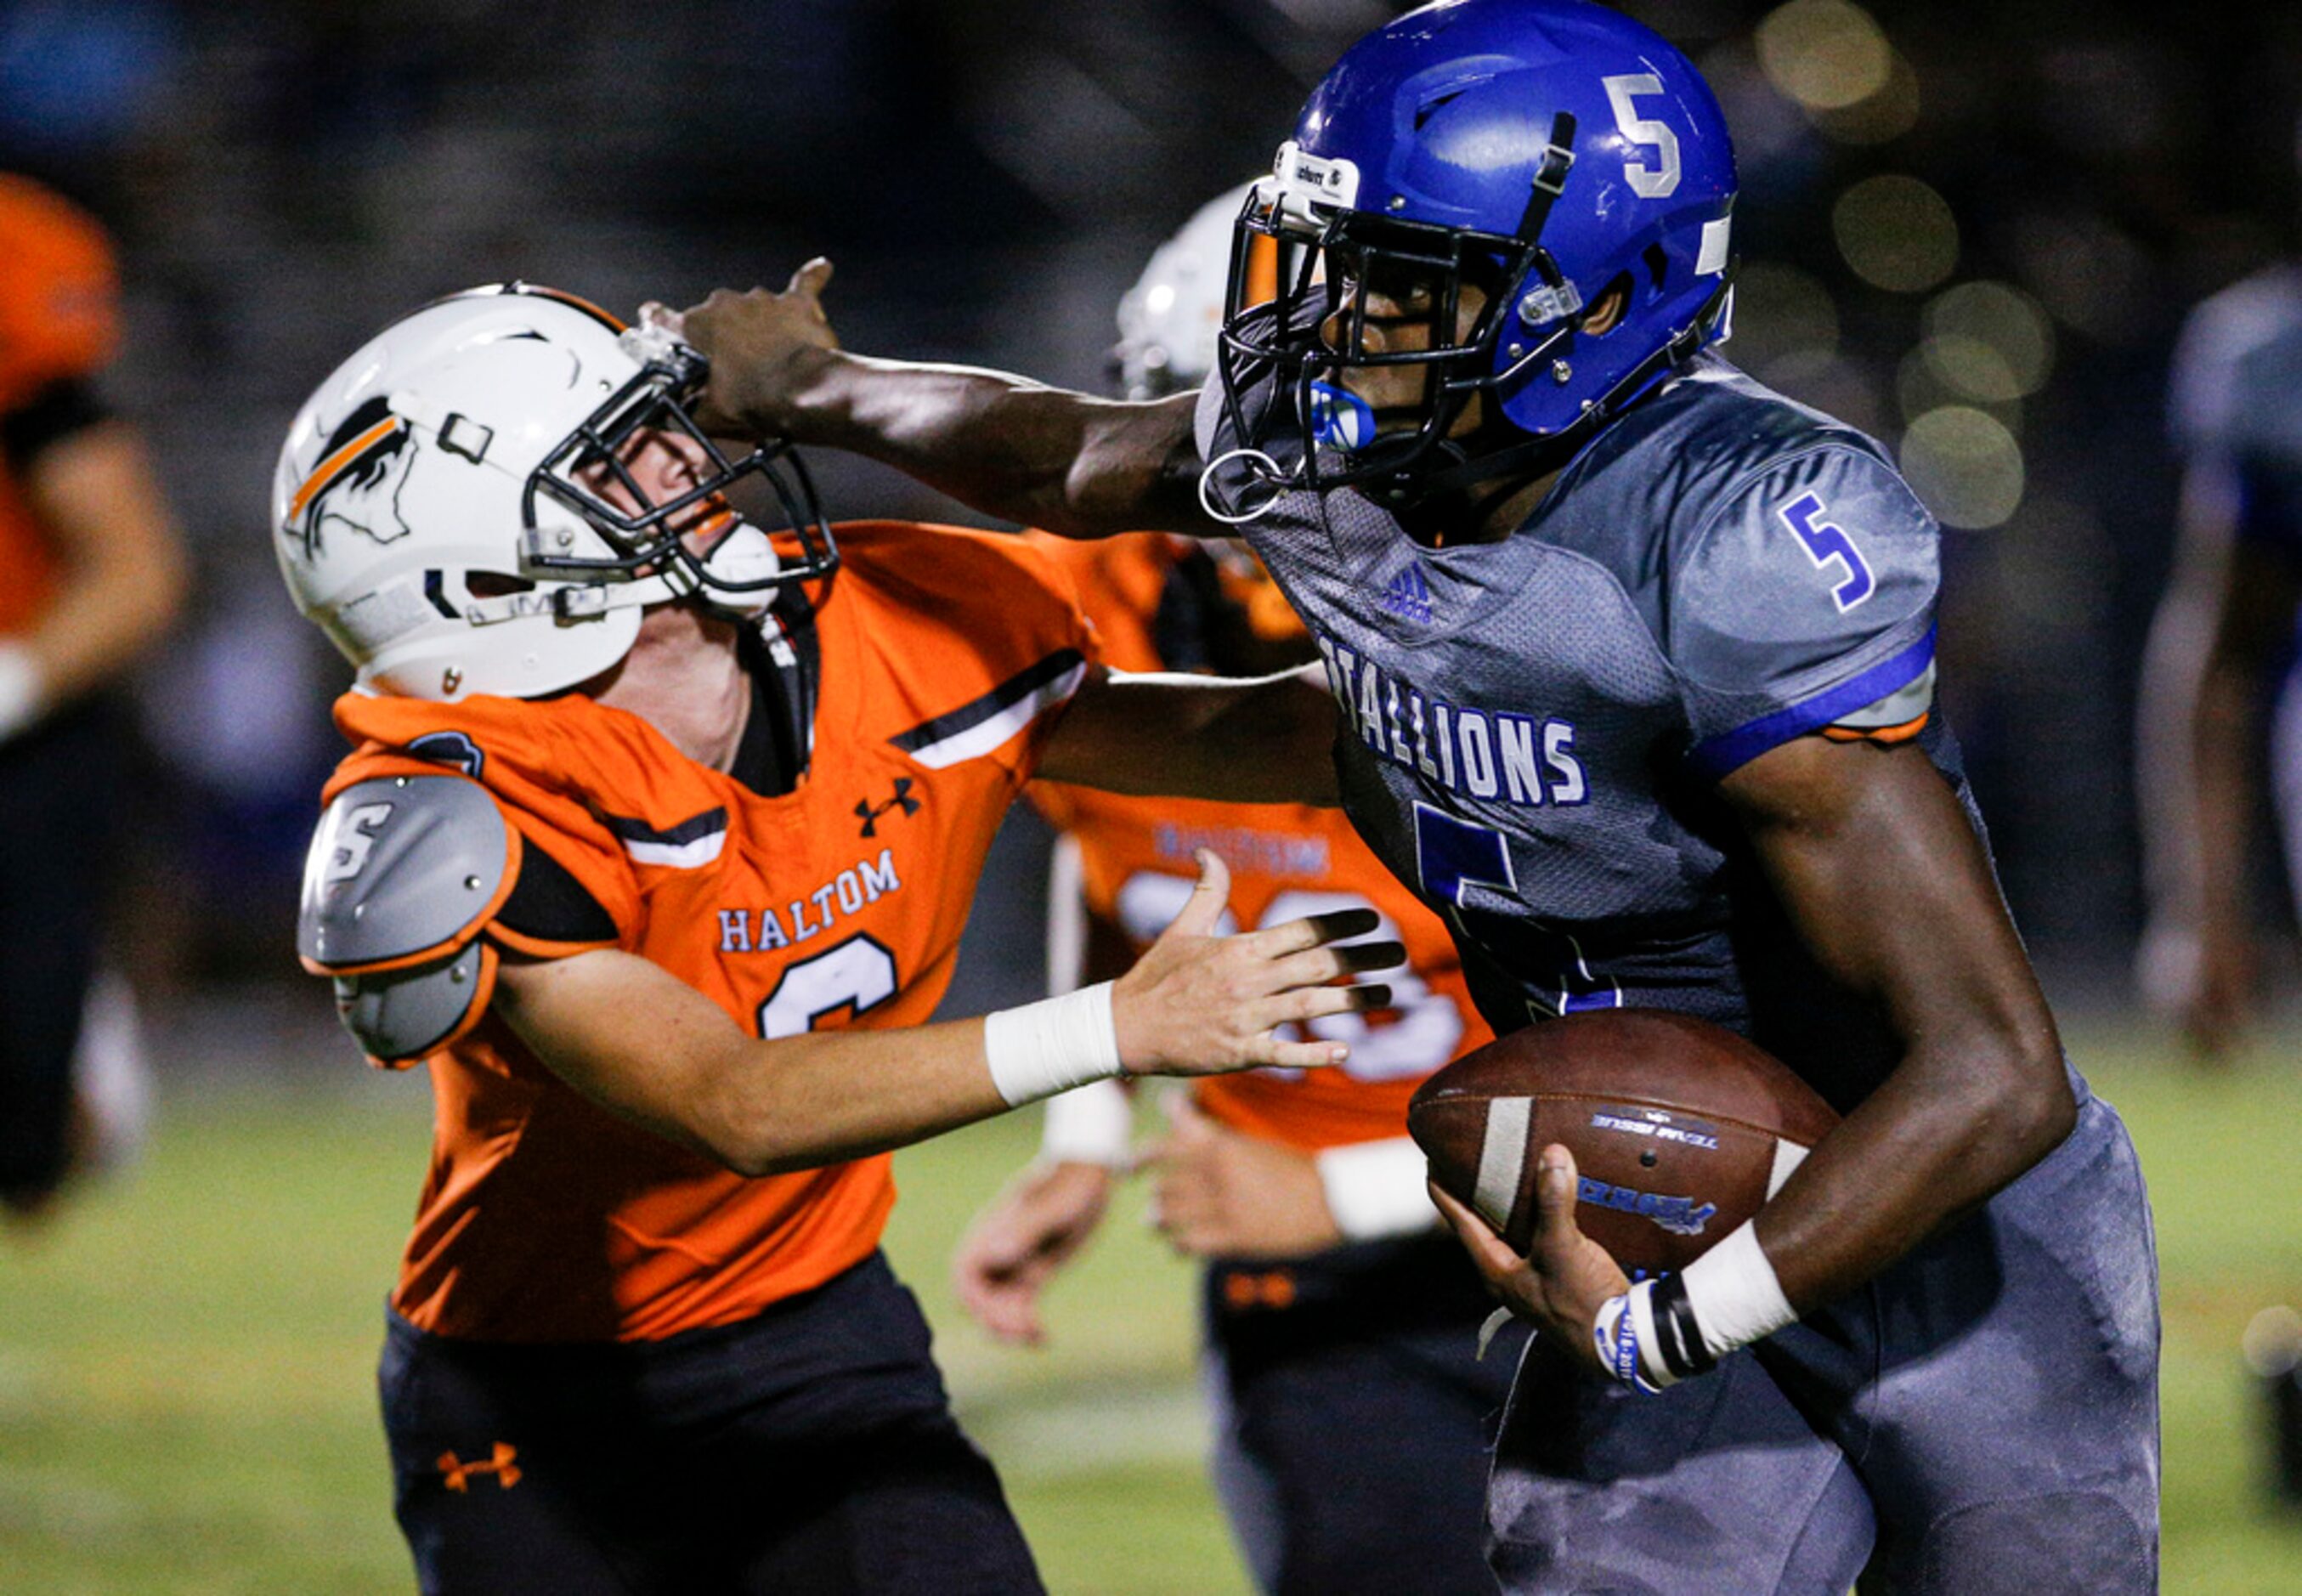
(1264, 740)
(1078, 465)
(644, 1044)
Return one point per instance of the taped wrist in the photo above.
(1093, 1123)
(1376, 1189)
(1052, 1046)
(1731, 1294)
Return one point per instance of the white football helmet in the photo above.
(432, 518)
(1169, 320)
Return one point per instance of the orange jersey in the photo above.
(945, 658)
(59, 319)
(1286, 861)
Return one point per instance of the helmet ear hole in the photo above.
(1657, 265)
(1606, 312)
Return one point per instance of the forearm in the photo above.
(646, 1047)
(1070, 463)
(1938, 1138)
(2224, 749)
(1886, 885)
(124, 571)
(1265, 741)
(829, 1096)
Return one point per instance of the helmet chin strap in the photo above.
(1530, 456)
(743, 555)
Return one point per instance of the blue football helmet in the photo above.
(1521, 158)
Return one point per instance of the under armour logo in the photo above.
(498, 1463)
(1243, 1289)
(870, 813)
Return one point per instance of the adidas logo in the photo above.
(1408, 596)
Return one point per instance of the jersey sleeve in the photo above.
(985, 638)
(2238, 360)
(432, 862)
(1804, 603)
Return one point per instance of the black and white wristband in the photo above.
(1661, 1331)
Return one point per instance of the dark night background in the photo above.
(1970, 229)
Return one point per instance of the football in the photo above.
(1680, 1129)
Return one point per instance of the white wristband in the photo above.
(20, 688)
(1052, 1046)
(1375, 1188)
(1734, 1293)
(1093, 1123)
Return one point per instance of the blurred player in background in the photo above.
(656, 844)
(1633, 664)
(91, 576)
(1353, 1415)
(2221, 652)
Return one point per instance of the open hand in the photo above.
(1220, 1194)
(765, 349)
(1015, 1245)
(1566, 1277)
(1200, 1004)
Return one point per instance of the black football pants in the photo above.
(810, 1449)
(59, 800)
(1355, 1421)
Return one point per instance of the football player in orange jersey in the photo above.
(655, 846)
(1355, 1415)
(91, 573)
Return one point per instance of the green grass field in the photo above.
(187, 1358)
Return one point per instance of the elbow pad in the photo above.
(404, 873)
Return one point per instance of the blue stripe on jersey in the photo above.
(1714, 757)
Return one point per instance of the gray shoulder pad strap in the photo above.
(401, 1015)
(400, 867)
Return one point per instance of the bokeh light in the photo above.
(1825, 55)
(1987, 341)
(1889, 113)
(1965, 465)
(1896, 233)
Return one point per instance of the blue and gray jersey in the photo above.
(2231, 401)
(1533, 727)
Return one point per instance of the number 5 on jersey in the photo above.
(1825, 543)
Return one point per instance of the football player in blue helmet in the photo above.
(1452, 322)
(1633, 666)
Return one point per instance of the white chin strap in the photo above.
(744, 554)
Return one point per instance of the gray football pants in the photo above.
(1981, 1418)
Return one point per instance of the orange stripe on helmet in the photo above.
(338, 463)
(575, 302)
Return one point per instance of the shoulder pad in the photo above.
(403, 871)
(399, 1016)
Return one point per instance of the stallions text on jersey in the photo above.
(1286, 861)
(1531, 726)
